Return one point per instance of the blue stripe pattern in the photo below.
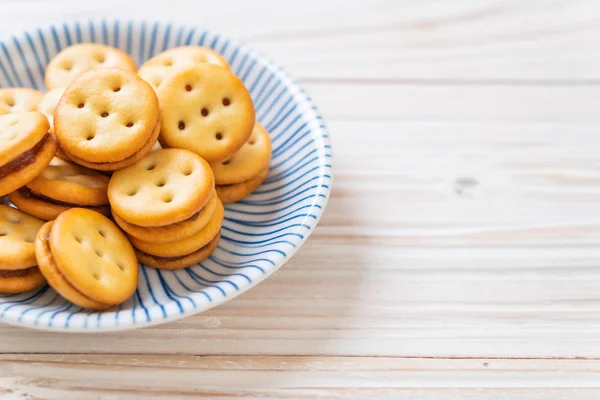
(259, 233)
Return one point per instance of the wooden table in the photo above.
(459, 256)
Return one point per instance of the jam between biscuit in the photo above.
(22, 161)
(7, 273)
(25, 191)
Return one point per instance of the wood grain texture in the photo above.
(459, 255)
(266, 377)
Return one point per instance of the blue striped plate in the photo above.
(260, 233)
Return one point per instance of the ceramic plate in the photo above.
(260, 233)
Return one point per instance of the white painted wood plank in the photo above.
(161, 377)
(511, 41)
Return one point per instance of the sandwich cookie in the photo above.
(18, 266)
(26, 148)
(61, 187)
(87, 259)
(156, 69)
(77, 59)
(238, 176)
(165, 187)
(205, 109)
(167, 204)
(19, 100)
(107, 119)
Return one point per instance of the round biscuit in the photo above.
(156, 69)
(55, 279)
(180, 262)
(237, 191)
(48, 105)
(164, 187)
(19, 100)
(247, 162)
(94, 256)
(172, 232)
(70, 183)
(20, 132)
(45, 210)
(22, 283)
(75, 60)
(20, 178)
(17, 235)
(187, 245)
(106, 115)
(205, 109)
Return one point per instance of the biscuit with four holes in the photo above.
(165, 187)
(205, 109)
(173, 263)
(237, 191)
(80, 58)
(19, 100)
(85, 256)
(247, 162)
(18, 266)
(107, 118)
(156, 69)
(26, 148)
(61, 187)
(172, 232)
(188, 245)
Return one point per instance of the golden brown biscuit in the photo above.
(106, 116)
(45, 208)
(205, 109)
(172, 232)
(187, 245)
(247, 162)
(179, 262)
(60, 187)
(19, 100)
(237, 191)
(17, 234)
(156, 69)
(164, 187)
(20, 280)
(25, 149)
(48, 105)
(71, 183)
(80, 58)
(57, 281)
(91, 254)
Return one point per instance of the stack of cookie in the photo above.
(167, 204)
(206, 109)
(103, 119)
